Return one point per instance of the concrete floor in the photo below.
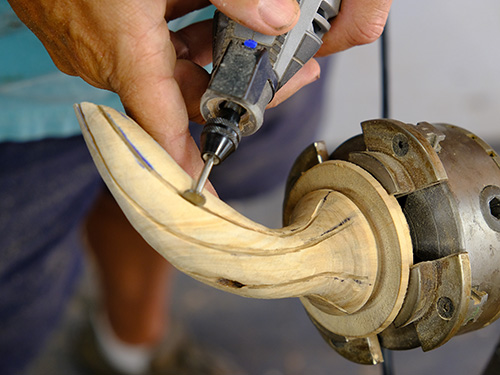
(276, 338)
(444, 68)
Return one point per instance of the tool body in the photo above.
(249, 68)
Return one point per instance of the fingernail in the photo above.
(279, 14)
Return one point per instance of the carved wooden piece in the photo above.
(392, 238)
(329, 254)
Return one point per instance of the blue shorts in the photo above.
(48, 186)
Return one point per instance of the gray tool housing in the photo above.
(249, 67)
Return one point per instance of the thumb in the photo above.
(271, 17)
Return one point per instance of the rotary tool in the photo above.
(249, 68)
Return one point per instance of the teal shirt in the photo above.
(36, 99)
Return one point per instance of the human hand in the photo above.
(358, 22)
(125, 46)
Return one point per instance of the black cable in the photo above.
(493, 365)
(387, 365)
(384, 52)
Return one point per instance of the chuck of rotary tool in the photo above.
(221, 135)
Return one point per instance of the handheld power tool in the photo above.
(249, 68)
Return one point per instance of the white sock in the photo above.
(127, 358)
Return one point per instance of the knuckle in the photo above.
(366, 31)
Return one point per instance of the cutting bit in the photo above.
(195, 195)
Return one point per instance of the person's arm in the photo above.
(125, 46)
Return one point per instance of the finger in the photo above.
(164, 117)
(178, 8)
(193, 81)
(194, 42)
(272, 17)
(153, 98)
(309, 73)
(358, 22)
(166, 124)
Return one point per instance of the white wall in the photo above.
(444, 67)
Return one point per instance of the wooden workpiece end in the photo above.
(329, 255)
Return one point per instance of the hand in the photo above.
(359, 22)
(125, 46)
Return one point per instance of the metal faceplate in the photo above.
(447, 182)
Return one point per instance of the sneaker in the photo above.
(176, 355)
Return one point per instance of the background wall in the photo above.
(444, 67)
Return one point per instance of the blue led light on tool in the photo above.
(250, 43)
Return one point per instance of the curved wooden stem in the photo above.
(328, 255)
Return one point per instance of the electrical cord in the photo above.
(384, 52)
(387, 365)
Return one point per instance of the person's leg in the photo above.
(131, 331)
(134, 278)
(46, 188)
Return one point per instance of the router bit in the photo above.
(249, 68)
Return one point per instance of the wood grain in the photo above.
(329, 253)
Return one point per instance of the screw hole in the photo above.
(445, 308)
(489, 201)
(495, 208)
(400, 145)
